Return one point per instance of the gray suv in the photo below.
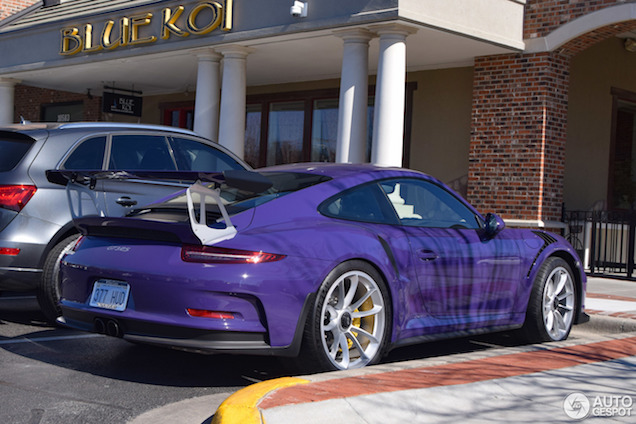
(36, 226)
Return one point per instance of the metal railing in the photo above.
(603, 239)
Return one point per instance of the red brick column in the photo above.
(519, 126)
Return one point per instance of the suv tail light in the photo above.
(15, 197)
(219, 255)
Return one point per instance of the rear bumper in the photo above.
(176, 337)
(19, 279)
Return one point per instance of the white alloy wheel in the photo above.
(558, 303)
(353, 321)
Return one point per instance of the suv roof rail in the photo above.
(126, 125)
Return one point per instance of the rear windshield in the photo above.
(236, 200)
(13, 150)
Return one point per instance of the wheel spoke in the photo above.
(373, 311)
(344, 347)
(366, 334)
(341, 294)
(358, 346)
(563, 278)
(549, 321)
(354, 280)
(560, 325)
(363, 299)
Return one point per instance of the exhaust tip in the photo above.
(100, 326)
(113, 329)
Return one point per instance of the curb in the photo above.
(609, 324)
(241, 407)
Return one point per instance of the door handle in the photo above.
(126, 201)
(427, 255)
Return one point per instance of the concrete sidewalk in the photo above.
(550, 382)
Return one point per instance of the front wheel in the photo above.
(552, 304)
(49, 291)
(349, 324)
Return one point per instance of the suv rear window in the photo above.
(13, 150)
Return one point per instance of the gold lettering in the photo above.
(170, 23)
(135, 23)
(203, 18)
(124, 30)
(88, 40)
(217, 11)
(227, 21)
(71, 42)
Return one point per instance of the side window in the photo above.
(88, 155)
(141, 152)
(365, 203)
(195, 156)
(424, 204)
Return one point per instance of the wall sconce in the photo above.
(298, 9)
(630, 45)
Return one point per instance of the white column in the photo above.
(233, 92)
(388, 124)
(208, 94)
(351, 145)
(7, 97)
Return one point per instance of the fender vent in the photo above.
(547, 240)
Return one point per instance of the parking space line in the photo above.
(47, 339)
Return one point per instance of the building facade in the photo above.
(526, 107)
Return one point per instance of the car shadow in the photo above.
(26, 333)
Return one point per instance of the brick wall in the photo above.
(29, 102)
(544, 16)
(519, 116)
(519, 122)
(9, 7)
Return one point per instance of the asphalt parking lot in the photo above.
(55, 375)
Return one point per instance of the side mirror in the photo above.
(493, 225)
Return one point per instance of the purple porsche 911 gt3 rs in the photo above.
(336, 263)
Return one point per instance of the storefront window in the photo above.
(285, 132)
(253, 134)
(302, 126)
(324, 130)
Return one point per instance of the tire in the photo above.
(553, 303)
(48, 293)
(349, 324)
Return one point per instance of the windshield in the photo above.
(235, 200)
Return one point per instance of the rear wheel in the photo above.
(49, 291)
(552, 304)
(349, 324)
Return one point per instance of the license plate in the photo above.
(110, 294)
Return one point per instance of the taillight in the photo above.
(204, 313)
(15, 197)
(9, 251)
(219, 255)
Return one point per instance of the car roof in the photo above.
(342, 170)
(36, 126)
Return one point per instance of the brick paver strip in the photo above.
(509, 365)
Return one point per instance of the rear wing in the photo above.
(241, 179)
